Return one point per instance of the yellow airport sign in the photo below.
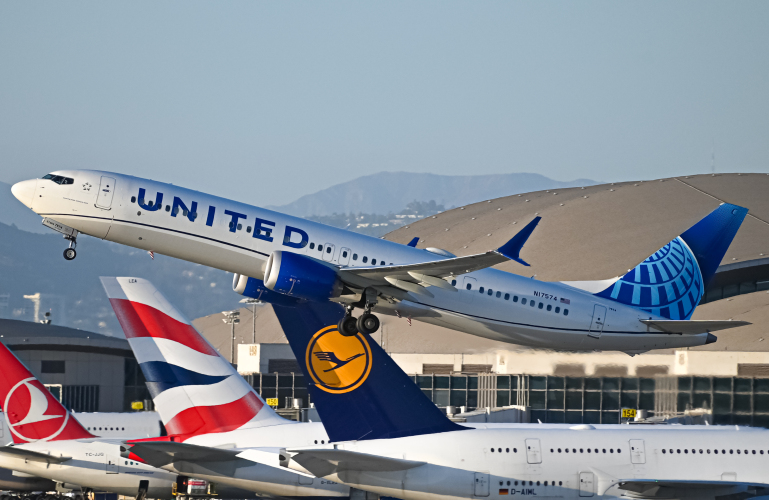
(272, 402)
(628, 413)
(137, 405)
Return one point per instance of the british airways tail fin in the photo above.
(195, 390)
(671, 282)
(359, 391)
(32, 413)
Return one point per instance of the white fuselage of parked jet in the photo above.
(567, 462)
(239, 238)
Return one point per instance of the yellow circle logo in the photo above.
(336, 363)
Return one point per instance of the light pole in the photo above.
(231, 317)
(254, 303)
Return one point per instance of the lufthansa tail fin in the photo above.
(32, 413)
(671, 282)
(359, 391)
(195, 390)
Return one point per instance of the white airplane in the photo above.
(49, 443)
(384, 436)
(273, 254)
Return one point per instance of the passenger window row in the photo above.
(531, 483)
(531, 302)
(105, 429)
(507, 450)
(344, 255)
(715, 452)
(584, 450)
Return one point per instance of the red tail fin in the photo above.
(32, 413)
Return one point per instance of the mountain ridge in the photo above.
(385, 192)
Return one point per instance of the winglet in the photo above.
(413, 242)
(512, 248)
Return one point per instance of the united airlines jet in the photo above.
(278, 257)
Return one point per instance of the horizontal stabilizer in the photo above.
(692, 326)
(32, 456)
(325, 462)
(160, 453)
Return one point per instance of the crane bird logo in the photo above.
(30, 414)
(338, 364)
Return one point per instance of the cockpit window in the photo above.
(59, 179)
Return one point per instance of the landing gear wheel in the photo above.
(70, 253)
(367, 323)
(347, 326)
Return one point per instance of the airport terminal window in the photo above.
(49, 366)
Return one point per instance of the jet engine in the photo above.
(302, 277)
(255, 289)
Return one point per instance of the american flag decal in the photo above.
(152, 254)
(565, 301)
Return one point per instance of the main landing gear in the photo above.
(70, 253)
(367, 323)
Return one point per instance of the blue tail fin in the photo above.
(672, 281)
(359, 391)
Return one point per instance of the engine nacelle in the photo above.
(255, 289)
(299, 276)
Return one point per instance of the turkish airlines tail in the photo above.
(195, 390)
(32, 413)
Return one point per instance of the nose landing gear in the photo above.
(367, 323)
(70, 253)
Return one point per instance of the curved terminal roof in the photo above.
(26, 336)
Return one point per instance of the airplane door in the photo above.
(328, 252)
(533, 451)
(586, 484)
(472, 283)
(481, 488)
(344, 256)
(599, 317)
(106, 192)
(111, 465)
(637, 451)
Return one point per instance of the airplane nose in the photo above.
(24, 191)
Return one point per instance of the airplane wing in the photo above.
(692, 326)
(160, 453)
(32, 456)
(325, 462)
(651, 488)
(414, 277)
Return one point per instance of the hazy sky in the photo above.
(267, 101)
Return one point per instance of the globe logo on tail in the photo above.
(30, 415)
(336, 363)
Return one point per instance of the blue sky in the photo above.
(267, 101)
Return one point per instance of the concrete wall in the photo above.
(255, 358)
(81, 368)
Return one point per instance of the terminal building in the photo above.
(589, 233)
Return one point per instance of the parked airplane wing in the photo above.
(651, 488)
(160, 453)
(32, 456)
(692, 326)
(429, 273)
(325, 462)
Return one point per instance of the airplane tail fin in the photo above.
(195, 390)
(31, 411)
(671, 282)
(359, 391)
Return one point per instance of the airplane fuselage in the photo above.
(239, 238)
